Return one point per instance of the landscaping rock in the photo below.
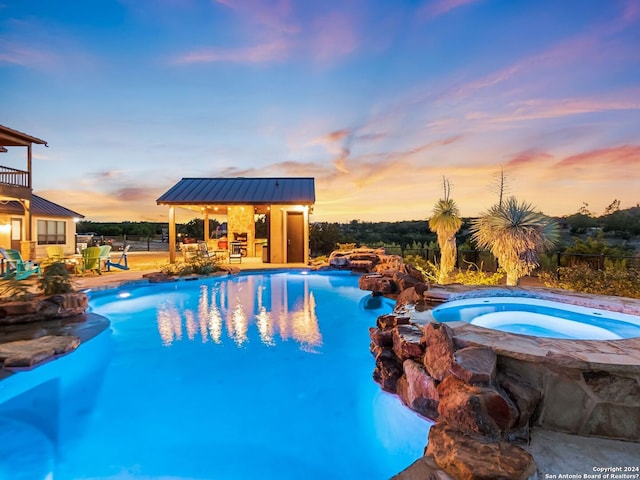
(474, 364)
(375, 282)
(407, 342)
(408, 296)
(64, 305)
(388, 370)
(27, 353)
(43, 308)
(466, 457)
(474, 408)
(390, 321)
(438, 357)
(524, 395)
(380, 337)
(16, 309)
(418, 390)
(159, 277)
(404, 280)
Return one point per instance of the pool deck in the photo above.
(141, 263)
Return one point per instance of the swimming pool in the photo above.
(247, 376)
(541, 318)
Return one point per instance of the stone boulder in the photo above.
(409, 296)
(438, 357)
(390, 321)
(27, 353)
(524, 395)
(380, 337)
(375, 282)
(418, 390)
(474, 408)
(159, 277)
(63, 306)
(407, 342)
(466, 457)
(388, 370)
(404, 280)
(474, 364)
(44, 308)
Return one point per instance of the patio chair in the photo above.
(122, 261)
(235, 252)
(55, 254)
(90, 261)
(203, 250)
(190, 252)
(105, 255)
(16, 267)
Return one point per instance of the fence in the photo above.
(154, 243)
(550, 262)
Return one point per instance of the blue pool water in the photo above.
(541, 318)
(249, 376)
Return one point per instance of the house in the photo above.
(28, 222)
(286, 202)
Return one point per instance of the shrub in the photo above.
(474, 275)
(429, 270)
(55, 279)
(14, 290)
(197, 266)
(582, 278)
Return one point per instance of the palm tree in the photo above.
(515, 233)
(446, 222)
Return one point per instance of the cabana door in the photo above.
(295, 237)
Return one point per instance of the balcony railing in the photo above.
(15, 178)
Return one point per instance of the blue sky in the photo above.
(378, 100)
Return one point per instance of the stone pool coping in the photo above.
(618, 356)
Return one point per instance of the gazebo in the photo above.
(285, 201)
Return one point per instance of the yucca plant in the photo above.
(446, 222)
(515, 233)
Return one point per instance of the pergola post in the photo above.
(206, 225)
(172, 234)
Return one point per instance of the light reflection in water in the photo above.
(240, 304)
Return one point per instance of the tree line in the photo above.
(619, 224)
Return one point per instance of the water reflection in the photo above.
(268, 306)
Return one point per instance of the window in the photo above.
(51, 232)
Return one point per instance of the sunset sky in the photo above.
(376, 99)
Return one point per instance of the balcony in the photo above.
(14, 183)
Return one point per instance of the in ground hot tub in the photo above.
(540, 318)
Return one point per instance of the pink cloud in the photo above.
(435, 8)
(269, 52)
(538, 108)
(528, 157)
(627, 156)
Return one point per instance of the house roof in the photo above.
(39, 206)
(240, 190)
(13, 138)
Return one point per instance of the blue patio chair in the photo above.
(16, 267)
(122, 263)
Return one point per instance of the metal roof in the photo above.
(241, 190)
(13, 138)
(39, 206)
